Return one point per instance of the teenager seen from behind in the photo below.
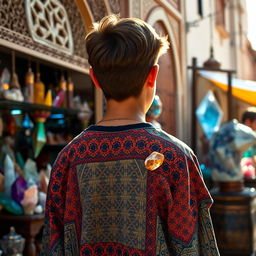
(102, 200)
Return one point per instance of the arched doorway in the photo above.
(166, 86)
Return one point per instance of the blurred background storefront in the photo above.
(223, 27)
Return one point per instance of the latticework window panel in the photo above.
(49, 24)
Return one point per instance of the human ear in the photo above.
(94, 79)
(152, 76)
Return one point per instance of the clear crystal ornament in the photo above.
(209, 114)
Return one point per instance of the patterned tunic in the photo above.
(103, 201)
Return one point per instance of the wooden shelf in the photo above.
(28, 107)
(26, 225)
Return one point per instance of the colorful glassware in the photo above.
(28, 90)
(10, 205)
(12, 243)
(39, 90)
(5, 79)
(9, 174)
(30, 200)
(30, 172)
(18, 189)
(63, 88)
(27, 123)
(15, 81)
(59, 98)
(39, 137)
(48, 98)
(70, 93)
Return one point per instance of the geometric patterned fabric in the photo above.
(113, 199)
(103, 201)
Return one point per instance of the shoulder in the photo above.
(172, 142)
(71, 147)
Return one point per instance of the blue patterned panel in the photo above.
(113, 197)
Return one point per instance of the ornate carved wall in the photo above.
(77, 28)
(98, 9)
(114, 5)
(14, 31)
(49, 24)
(13, 17)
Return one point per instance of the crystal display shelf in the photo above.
(28, 107)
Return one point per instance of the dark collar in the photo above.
(119, 128)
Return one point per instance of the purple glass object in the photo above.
(59, 98)
(18, 189)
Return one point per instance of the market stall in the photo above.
(46, 98)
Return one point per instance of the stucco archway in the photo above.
(157, 16)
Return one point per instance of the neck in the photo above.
(128, 111)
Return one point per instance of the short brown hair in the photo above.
(249, 114)
(121, 53)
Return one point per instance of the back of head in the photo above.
(249, 115)
(122, 53)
